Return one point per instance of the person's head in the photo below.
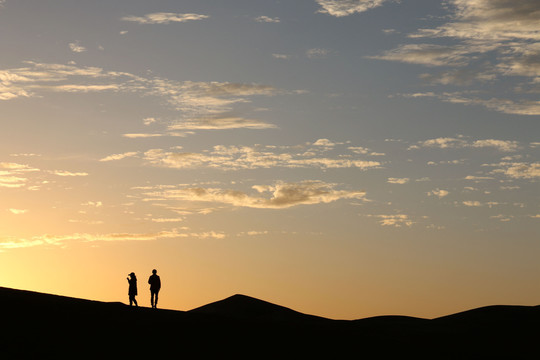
(132, 274)
(154, 271)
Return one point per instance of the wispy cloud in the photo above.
(9, 180)
(203, 98)
(462, 143)
(489, 40)
(76, 47)
(398, 180)
(48, 239)
(114, 157)
(395, 220)
(142, 135)
(281, 56)
(68, 173)
(18, 211)
(202, 105)
(316, 53)
(29, 81)
(427, 54)
(267, 19)
(93, 204)
(16, 175)
(149, 120)
(503, 105)
(15, 166)
(224, 121)
(472, 203)
(256, 157)
(341, 8)
(278, 196)
(438, 192)
(164, 18)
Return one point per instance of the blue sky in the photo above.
(396, 140)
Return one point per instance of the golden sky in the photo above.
(345, 158)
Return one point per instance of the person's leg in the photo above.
(152, 294)
(135, 301)
(130, 300)
(155, 300)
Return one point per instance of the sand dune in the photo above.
(37, 324)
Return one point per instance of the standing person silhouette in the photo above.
(132, 292)
(155, 285)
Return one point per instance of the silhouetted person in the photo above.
(155, 285)
(132, 292)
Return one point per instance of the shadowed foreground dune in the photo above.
(36, 324)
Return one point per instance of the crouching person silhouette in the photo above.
(155, 285)
(132, 292)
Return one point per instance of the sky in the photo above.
(344, 158)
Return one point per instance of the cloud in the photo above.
(9, 180)
(520, 170)
(49, 239)
(87, 222)
(339, 8)
(364, 151)
(93, 204)
(397, 220)
(507, 106)
(501, 145)
(502, 217)
(166, 220)
(74, 88)
(472, 203)
(281, 195)
(149, 120)
(18, 211)
(221, 122)
(462, 143)
(427, 54)
(324, 142)
(29, 81)
(246, 157)
(460, 77)
(76, 47)
(201, 104)
(119, 156)
(490, 20)
(164, 18)
(281, 56)
(482, 40)
(15, 175)
(317, 53)
(142, 135)
(208, 98)
(14, 166)
(438, 192)
(267, 19)
(478, 178)
(397, 180)
(68, 173)
(441, 143)
(253, 233)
